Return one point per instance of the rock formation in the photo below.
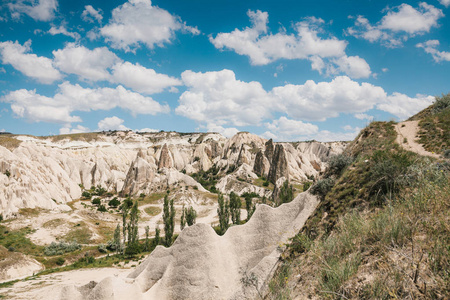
(279, 165)
(202, 265)
(164, 159)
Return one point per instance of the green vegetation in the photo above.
(114, 202)
(384, 214)
(79, 233)
(169, 221)
(152, 198)
(17, 240)
(286, 193)
(235, 208)
(223, 211)
(208, 179)
(434, 132)
(61, 248)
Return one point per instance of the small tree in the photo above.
(169, 221)
(114, 202)
(286, 193)
(249, 206)
(157, 238)
(235, 208)
(183, 219)
(96, 201)
(116, 240)
(125, 210)
(191, 216)
(224, 214)
(147, 241)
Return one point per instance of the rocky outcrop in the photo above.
(49, 172)
(164, 158)
(268, 152)
(203, 265)
(279, 166)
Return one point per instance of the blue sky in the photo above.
(288, 70)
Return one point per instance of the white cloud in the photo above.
(63, 30)
(353, 66)
(90, 14)
(112, 123)
(70, 98)
(138, 22)
(446, 3)
(226, 132)
(286, 129)
(69, 130)
(322, 100)
(87, 64)
(41, 10)
(263, 48)
(363, 117)
(146, 130)
(141, 79)
(385, 70)
(403, 106)
(399, 24)
(430, 48)
(219, 97)
(37, 67)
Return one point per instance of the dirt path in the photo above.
(406, 137)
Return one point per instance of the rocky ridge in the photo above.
(49, 172)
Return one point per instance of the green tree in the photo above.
(125, 210)
(147, 241)
(157, 238)
(286, 193)
(183, 219)
(169, 221)
(224, 214)
(249, 206)
(191, 216)
(235, 208)
(116, 240)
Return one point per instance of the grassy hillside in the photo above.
(382, 229)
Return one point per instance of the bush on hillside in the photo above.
(338, 163)
(61, 248)
(322, 187)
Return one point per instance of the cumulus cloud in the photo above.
(70, 98)
(446, 3)
(398, 24)
(70, 130)
(226, 132)
(263, 48)
(138, 22)
(219, 98)
(42, 10)
(112, 123)
(141, 79)
(87, 64)
(363, 116)
(430, 47)
(90, 14)
(63, 30)
(288, 129)
(37, 67)
(322, 100)
(403, 106)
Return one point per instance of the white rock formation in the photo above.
(201, 264)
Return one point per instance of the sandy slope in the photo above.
(409, 130)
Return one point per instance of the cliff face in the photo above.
(49, 172)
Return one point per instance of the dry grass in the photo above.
(153, 210)
(9, 142)
(87, 137)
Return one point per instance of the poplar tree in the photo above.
(169, 221)
(235, 208)
(224, 214)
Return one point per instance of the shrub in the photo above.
(1, 217)
(306, 186)
(86, 195)
(286, 193)
(266, 183)
(60, 261)
(102, 208)
(114, 202)
(60, 248)
(96, 201)
(322, 187)
(7, 173)
(338, 163)
(441, 103)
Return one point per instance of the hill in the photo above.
(382, 229)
